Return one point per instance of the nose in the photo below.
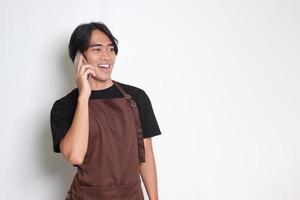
(105, 54)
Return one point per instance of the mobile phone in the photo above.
(77, 58)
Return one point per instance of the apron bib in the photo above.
(110, 170)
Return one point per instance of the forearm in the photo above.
(148, 171)
(75, 142)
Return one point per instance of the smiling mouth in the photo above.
(104, 66)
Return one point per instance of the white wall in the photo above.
(223, 77)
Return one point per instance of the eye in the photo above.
(112, 49)
(96, 49)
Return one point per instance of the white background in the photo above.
(223, 78)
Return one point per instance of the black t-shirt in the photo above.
(63, 111)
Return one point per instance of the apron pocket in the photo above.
(116, 192)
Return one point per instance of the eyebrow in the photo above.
(100, 45)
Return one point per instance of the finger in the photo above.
(84, 68)
(87, 72)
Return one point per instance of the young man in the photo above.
(103, 127)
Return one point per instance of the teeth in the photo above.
(103, 65)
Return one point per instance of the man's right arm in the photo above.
(74, 144)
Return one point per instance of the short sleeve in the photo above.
(148, 120)
(60, 122)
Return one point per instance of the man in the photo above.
(104, 127)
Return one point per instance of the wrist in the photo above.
(83, 99)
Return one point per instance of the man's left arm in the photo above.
(148, 171)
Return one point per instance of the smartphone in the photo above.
(77, 58)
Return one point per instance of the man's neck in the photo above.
(100, 85)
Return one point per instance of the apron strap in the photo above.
(140, 137)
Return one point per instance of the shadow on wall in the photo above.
(54, 164)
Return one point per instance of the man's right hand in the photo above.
(83, 71)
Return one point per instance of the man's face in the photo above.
(100, 55)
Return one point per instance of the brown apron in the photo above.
(110, 170)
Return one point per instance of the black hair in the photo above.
(80, 38)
